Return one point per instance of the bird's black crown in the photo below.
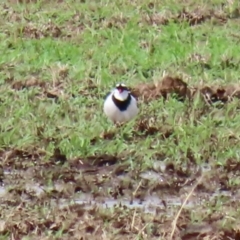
(121, 86)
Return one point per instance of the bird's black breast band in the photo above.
(122, 105)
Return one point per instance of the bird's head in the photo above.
(121, 92)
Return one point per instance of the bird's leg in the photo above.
(118, 124)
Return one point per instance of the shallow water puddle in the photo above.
(3, 191)
(150, 204)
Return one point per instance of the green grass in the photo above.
(107, 43)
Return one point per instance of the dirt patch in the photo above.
(118, 22)
(150, 126)
(47, 89)
(200, 15)
(40, 31)
(177, 88)
(27, 156)
(192, 17)
(76, 25)
(198, 59)
(155, 19)
(20, 85)
(168, 86)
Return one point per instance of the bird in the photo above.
(120, 105)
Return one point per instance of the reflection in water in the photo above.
(150, 204)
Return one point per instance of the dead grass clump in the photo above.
(88, 88)
(115, 22)
(194, 17)
(53, 89)
(44, 30)
(201, 15)
(10, 14)
(11, 156)
(146, 127)
(32, 82)
(233, 91)
(104, 135)
(227, 63)
(156, 19)
(46, 89)
(75, 25)
(217, 94)
(213, 95)
(232, 165)
(199, 60)
(149, 126)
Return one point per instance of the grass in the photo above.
(58, 60)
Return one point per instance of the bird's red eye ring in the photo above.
(121, 88)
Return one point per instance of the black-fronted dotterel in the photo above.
(119, 105)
